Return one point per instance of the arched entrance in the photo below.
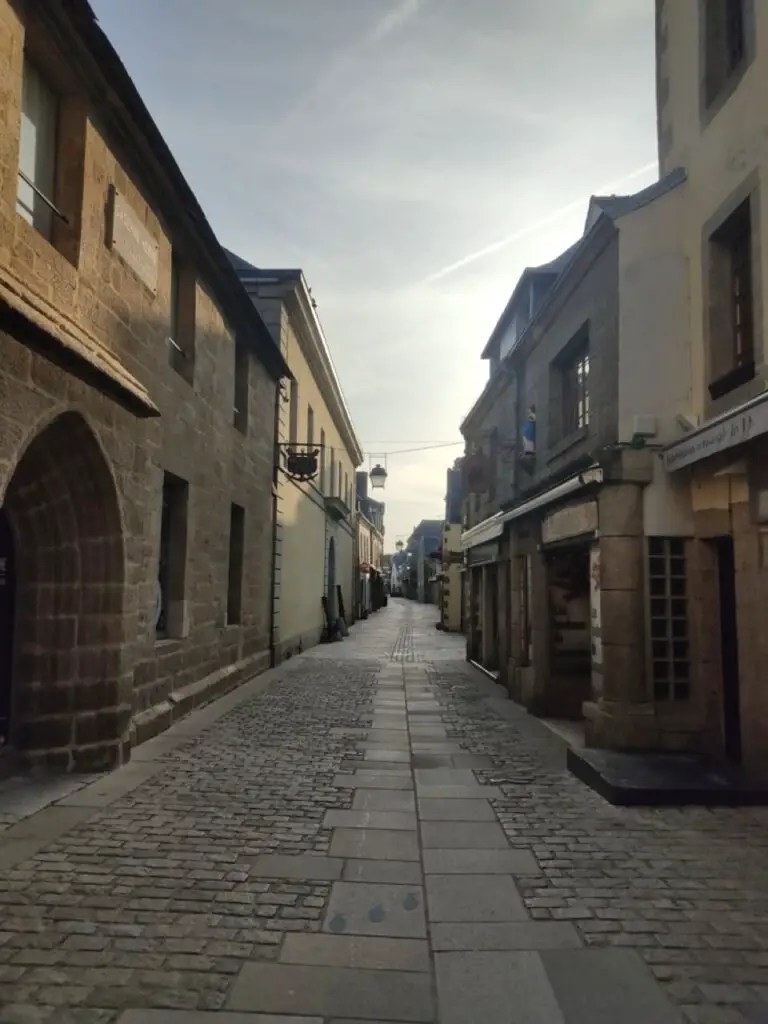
(66, 706)
(332, 580)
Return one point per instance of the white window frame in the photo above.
(37, 151)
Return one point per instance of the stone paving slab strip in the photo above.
(334, 992)
(397, 872)
(463, 835)
(202, 1017)
(479, 862)
(455, 810)
(374, 844)
(507, 935)
(363, 951)
(382, 754)
(374, 780)
(445, 777)
(358, 908)
(397, 820)
(496, 988)
(476, 792)
(602, 986)
(469, 898)
(383, 800)
(303, 867)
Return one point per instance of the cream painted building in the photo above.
(451, 579)
(370, 547)
(315, 535)
(712, 79)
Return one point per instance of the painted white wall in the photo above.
(719, 157)
(654, 344)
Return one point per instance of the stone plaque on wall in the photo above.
(571, 521)
(132, 241)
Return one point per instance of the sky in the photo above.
(412, 157)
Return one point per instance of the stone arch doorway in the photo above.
(332, 580)
(66, 706)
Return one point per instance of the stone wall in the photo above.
(78, 286)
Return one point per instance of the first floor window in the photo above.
(37, 151)
(173, 556)
(236, 563)
(669, 619)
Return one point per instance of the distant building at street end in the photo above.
(369, 594)
(423, 562)
(315, 567)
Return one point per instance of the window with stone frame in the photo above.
(172, 568)
(236, 565)
(669, 618)
(724, 45)
(574, 381)
(183, 301)
(38, 144)
(731, 302)
(242, 366)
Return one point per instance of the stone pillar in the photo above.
(535, 675)
(621, 714)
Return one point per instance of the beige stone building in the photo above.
(451, 579)
(712, 64)
(138, 393)
(315, 541)
(370, 548)
(624, 581)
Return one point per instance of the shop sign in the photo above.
(571, 521)
(719, 437)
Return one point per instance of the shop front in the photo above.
(725, 464)
(482, 551)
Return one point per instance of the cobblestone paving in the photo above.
(687, 888)
(157, 900)
(154, 902)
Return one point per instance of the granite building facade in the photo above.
(138, 390)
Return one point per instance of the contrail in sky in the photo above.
(397, 16)
(531, 229)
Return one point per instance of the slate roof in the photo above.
(554, 268)
(619, 206)
(247, 271)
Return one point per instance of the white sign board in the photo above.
(740, 426)
(571, 521)
(133, 242)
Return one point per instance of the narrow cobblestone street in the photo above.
(372, 833)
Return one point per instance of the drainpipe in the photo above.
(273, 574)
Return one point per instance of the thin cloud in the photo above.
(532, 229)
(395, 19)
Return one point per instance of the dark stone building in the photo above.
(138, 390)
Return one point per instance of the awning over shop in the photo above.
(750, 419)
(483, 554)
(493, 527)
